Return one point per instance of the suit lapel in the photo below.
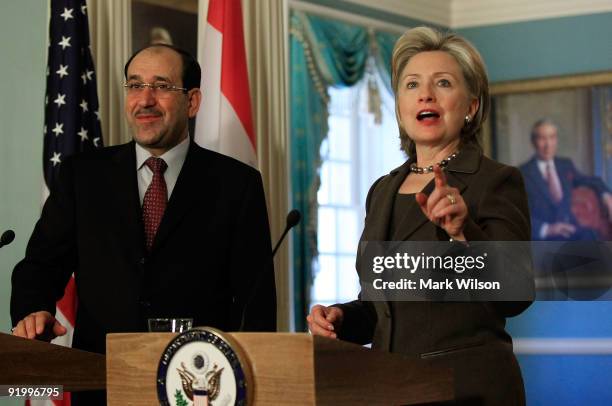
(381, 206)
(380, 211)
(124, 194)
(413, 218)
(187, 192)
(563, 173)
(540, 183)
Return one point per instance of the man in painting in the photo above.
(550, 181)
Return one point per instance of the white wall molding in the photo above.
(437, 12)
(471, 13)
(563, 346)
(457, 13)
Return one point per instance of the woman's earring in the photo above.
(467, 121)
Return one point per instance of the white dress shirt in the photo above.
(174, 158)
(542, 166)
(553, 169)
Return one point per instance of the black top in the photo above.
(402, 205)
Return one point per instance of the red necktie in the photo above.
(155, 199)
(553, 184)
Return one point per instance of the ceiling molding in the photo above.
(455, 13)
(472, 13)
(437, 12)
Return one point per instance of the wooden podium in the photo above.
(31, 362)
(288, 369)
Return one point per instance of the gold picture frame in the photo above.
(551, 83)
(537, 85)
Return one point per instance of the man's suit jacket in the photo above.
(542, 207)
(210, 260)
(469, 337)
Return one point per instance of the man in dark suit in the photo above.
(158, 227)
(549, 181)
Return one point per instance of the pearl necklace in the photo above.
(443, 163)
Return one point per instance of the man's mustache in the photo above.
(148, 112)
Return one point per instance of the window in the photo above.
(356, 152)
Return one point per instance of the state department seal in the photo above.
(204, 367)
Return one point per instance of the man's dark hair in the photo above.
(191, 74)
(536, 126)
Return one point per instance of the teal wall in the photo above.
(22, 71)
(552, 47)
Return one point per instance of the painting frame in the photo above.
(543, 84)
(551, 83)
(592, 155)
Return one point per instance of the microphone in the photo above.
(293, 218)
(8, 236)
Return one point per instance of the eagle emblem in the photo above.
(203, 366)
(209, 383)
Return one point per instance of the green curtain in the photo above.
(384, 45)
(323, 53)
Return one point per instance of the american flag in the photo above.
(72, 118)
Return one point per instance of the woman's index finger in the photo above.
(440, 177)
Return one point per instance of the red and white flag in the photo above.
(65, 313)
(224, 122)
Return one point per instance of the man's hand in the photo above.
(40, 325)
(325, 321)
(607, 199)
(564, 230)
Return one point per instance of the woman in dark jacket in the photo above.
(447, 190)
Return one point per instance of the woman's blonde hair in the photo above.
(423, 39)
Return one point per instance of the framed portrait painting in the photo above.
(558, 132)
